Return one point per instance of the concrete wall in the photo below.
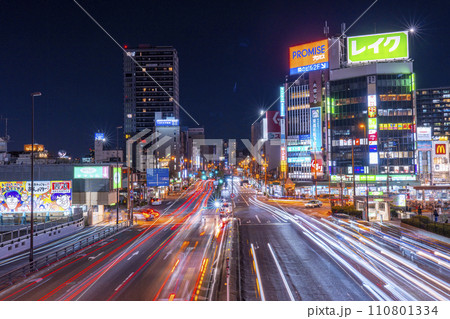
(18, 245)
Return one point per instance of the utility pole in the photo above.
(32, 175)
(116, 176)
(353, 172)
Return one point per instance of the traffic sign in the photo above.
(232, 195)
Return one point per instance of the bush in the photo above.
(424, 222)
(349, 210)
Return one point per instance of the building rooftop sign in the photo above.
(378, 47)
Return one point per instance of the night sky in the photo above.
(233, 57)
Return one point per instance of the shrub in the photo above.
(425, 223)
(349, 210)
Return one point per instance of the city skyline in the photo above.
(228, 80)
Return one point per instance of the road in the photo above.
(278, 250)
(165, 259)
(293, 253)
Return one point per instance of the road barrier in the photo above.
(25, 231)
(40, 263)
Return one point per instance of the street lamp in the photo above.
(367, 186)
(32, 173)
(116, 176)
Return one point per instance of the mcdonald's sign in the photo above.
(440, 149)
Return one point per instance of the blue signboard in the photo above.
(99, 136)
(282, 102)
(167, 122)
(316, 129)
(311, 67)
(157, 177)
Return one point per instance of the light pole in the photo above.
(353, 171)
(32, 173)
(367, 186)
(116, 176)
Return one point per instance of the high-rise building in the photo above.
(351, 91)
(147, 86)
(371, 106)
(433, 110)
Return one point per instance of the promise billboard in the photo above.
(378, 47)
(308, 57)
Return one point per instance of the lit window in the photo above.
(129, 116)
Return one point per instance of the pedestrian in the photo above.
(419, 210)
(435, 215)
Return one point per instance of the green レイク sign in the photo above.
(376, 47)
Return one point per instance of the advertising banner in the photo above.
(424, 145)
(316, 166)
(49, 196)
(424, 133)
(87, 172)
(273, 124)
(316, 129)
(378, 47)
(157, 177)
(282, 102)
(169, 122)
(308, 57)
(117, 177)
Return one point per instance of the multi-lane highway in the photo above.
(165, 259)
(275, 250)
(287, 254)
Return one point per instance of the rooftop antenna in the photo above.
(343, 29)
(326, 29)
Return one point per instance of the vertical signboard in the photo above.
(117, 177)
(282, 102)
(316, 129)
(273, 124)
(283, 158)
(372, 127)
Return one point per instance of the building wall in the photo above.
(392, 118)
(433, 110)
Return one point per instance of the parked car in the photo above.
(313, 203)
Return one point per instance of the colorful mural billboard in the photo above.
(49, 196)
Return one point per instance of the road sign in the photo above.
(232, 195)
(157, 177)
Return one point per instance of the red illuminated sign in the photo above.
(440, 149)
(316, 166)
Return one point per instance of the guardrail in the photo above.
(24, 231)
(18, 274)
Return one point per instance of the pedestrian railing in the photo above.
(22, 272)
(25, 231)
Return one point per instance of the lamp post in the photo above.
(116, 176)
(353, 172)
(32, 173)
(367, 186)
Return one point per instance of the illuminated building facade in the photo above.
(143, 97)
(372, 105)
(433, 110)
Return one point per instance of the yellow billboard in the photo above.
(308, 57)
